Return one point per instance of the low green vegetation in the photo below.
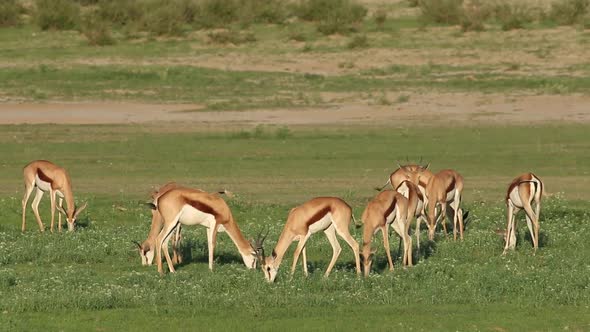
(93, 277)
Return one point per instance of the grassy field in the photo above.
(93, 280)
(455, 286)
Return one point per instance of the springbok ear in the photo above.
(62, 211)
(151, 205)
(80, 209)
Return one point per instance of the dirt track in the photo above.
(461, 109)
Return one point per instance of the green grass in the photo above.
(92, 279)
(259, 89)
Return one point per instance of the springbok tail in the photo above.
(226, 193)
(385, 185)
(356, 223)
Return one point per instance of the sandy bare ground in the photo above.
(462, 109)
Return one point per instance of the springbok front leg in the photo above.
(211, 239)
(300, 246)
(52, 200)
(60, 203)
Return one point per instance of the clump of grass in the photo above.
(121, 13)
(380, 17)
(358, 41)
(57, 14)
(231, 37)
(513, 16)
(568, 12)
(97, 31)
(402, 99)
(332, 16)
(296, 35)
(473, 15)
(165, 20)
(10, 11)
(441, 11)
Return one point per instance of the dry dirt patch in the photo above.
(428, 109)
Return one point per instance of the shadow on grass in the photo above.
(193, 251)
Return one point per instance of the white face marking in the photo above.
(321, 224)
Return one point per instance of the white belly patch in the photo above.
(451, 195)
(191, 216)
(45, 186)
(321, 224)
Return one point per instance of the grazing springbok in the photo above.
(185, 206)
(443, 189)
(415, 204)
(387, 208)
(45, 176)
(148, 247)
(418, 175)
(522, 192)
(328, 214)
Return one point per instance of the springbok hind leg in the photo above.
(28, 191)
(35, 206)
(336, 249)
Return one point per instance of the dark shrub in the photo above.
(57, 14)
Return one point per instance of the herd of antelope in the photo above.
(417, 193)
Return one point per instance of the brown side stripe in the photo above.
(43, 176)
(318, 215)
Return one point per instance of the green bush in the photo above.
(473, 15)
(263, 11)
(358, 41)
(165, 18)
(97, 31)
(217, 13)
(441, 11)
(231, 37)
(513, 16)
(380, 16)
(568, 12)
(332, 16)
(121, 12)
(57, 14)
(10, 13)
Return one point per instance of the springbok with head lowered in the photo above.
(522, 193)
(147, 248)
(444, 189)
(184, 206)
(45, 176)
(328, 214)
(388, 208)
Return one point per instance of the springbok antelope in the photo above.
(523, 191)
(45, 176)
(184, 206)
(443, 189)
(387, 208)
(147, 247)
(415, 204)
(328, 214)
(418, 175)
